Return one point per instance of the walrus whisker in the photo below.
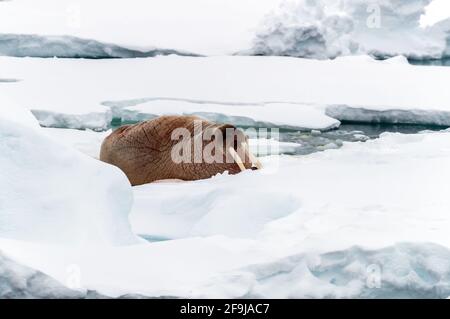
(253, 159)
(237, 158)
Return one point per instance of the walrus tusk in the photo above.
(255, 161)
(237, 158)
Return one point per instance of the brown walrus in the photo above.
(177, 147)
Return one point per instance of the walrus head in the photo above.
(178, 147)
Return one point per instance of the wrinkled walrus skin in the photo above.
(143, 151)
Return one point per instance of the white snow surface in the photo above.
(307, 92)
(313, 226)
(52, 193)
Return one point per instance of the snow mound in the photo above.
(52, 193)
(401, 271)
(214, 209)
(85, 141)
(29, 45)
(327, 29)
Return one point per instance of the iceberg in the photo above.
(91, 207)
(327, 29)
(285, 115)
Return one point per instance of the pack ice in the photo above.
(268, 91)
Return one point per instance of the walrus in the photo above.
(182, 148)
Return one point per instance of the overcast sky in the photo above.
(437, 11)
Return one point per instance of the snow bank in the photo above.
(98, 121)
(23, 45)
(327, 29)
(52, 193)
(323, 225)
(91, 92)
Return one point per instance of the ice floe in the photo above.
(285, 115)
(227, 88)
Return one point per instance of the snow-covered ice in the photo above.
(232, 86)
(227, 240)
(364, 219)
(53, 193)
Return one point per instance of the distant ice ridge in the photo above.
(405, 270)
(55, 194)
(27, 45)
(325, 29)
